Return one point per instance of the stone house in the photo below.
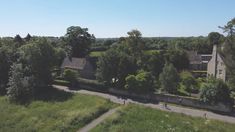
(216, 66)
(82, 65)
(198, 63)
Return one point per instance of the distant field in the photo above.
(135, 118)
(96, 53)
(99, 53)
(149, 52)
(63, 112)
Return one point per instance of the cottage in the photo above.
(198, 62)
(216, 67)
(82, 65)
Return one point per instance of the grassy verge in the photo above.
(54, 113)
(140, 119)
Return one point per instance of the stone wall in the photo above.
(185, 101)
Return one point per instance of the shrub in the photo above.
(142, 82)
(188, 81)
(215, 91)
(70, 75)
(62, 82)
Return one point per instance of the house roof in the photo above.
(74, 63)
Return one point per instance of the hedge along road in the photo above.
(169, 108)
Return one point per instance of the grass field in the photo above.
(54, 112)
(135, 118)
(96, 53)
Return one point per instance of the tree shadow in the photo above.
(51, 94)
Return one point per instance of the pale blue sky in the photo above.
(113, 18)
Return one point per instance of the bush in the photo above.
(188, 81)
(94, 84)
(142, 82)
(62, 82)
(215, 91)
(70, 75)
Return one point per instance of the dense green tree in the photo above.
(228, 51)
(141, 83)
(80, 40)
(154, 63)
(169, 78)
(215, 91)
(20, 86)
(134, 43)
(8, 55)
(114, 66)
(39, 57)
(215, 38)
(178, 58)
(4, 69)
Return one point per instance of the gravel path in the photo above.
(97, 121)
(170, 108)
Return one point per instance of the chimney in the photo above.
(214, 53)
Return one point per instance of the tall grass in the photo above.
(52, 113)
(135, 118)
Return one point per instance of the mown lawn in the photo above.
(53, 112)
(135, 118)
(96, 53)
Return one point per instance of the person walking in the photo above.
(205, 116)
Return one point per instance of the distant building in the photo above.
(82, 65)
(216, 67)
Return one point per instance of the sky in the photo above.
(114, 18)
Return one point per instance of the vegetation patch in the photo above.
(96, 53)
(140, 119)
(59, 112)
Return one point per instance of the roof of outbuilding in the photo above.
(74, 63)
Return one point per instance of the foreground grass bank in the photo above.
(55, 112)
(140, 119)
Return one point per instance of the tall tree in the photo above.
(135, 42)
(214, 38)
(80, 40)
(215, 91)
(169, 78)
(114, 66)
(229, 28)
(228, 50)
(20, 86)
(8, 55)
(28, 37)
(39, 57)
(178, 58)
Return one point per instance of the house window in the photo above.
(220, 72)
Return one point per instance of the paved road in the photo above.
(170, 108)
(97, 121)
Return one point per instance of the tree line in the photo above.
(28, 65)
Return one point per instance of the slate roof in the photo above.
(74, 63)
